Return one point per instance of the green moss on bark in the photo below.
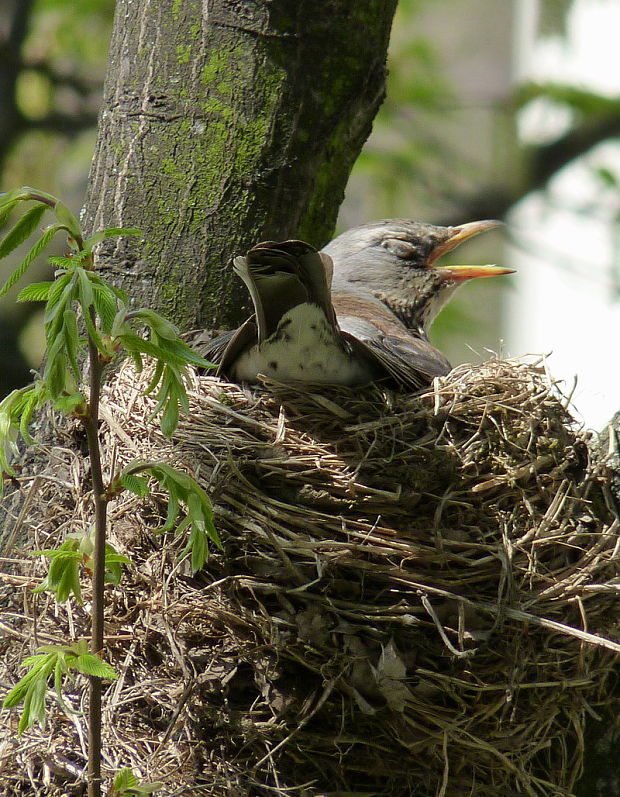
(227, 129)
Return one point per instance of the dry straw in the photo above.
(417, 594)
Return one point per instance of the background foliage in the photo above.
(52, 65)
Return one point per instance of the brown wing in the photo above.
(411, 362)
(375, 333)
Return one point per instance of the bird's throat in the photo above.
(417, 307)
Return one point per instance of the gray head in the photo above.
(396, 261)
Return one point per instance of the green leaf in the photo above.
(127, 785)
(69, 583)
(15, 195)
(6, 209)
(31, 690)
(86, 294)
(72, 340)
(66, 218)
(18, 692)
(155, 379)
(60, 292)
(79, 648)
(113, 567)
(137, 361)
(135, 484)
(195, 508)
(174, 352)
(93, 334)
(157, 323)
(146, 788)
(32, 399)
(178, 392)
(105, 302)
(170, 418)
(185, 354)
(184, 524)
(172, 512)
(55, 374)
(56, 660)
(166, 378)
(171, 476)
(120, 294)
(134, 343)
(182, 487)
(8, 201)
(124, 779)
(198, 546)
(72, 404)
(109, 232)
(117, 558)
(63, 577)
(90, 664)
(68, 550)
(113, 562)
(15, 414)
(22, 230)
(86, 298)
(56, 349)
(170, 396)
(60, 670)
(172, 388)
(34, 706)
(9, 415)
(27, 261)
(35, 292)
(67, 263)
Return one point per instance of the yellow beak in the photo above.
(458, 236)
(472, 272)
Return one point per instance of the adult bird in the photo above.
(356, 312)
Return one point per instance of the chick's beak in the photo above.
(458, 236)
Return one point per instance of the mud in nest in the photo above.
(417, 594)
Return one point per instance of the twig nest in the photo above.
(416, 594)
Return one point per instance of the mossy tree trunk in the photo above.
(224, 124)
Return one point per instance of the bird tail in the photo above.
(280, 276)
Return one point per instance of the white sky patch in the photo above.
(567, 292)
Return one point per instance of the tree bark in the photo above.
(224, 124)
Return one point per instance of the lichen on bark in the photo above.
(224, 124)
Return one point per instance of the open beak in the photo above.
(458, 236)
(472, 272)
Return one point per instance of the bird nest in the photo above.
(416, 594)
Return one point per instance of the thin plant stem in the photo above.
(97, 631)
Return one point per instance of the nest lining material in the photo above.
(417, 594)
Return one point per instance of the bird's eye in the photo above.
(402, 249)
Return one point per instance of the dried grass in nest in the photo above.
(417, 595)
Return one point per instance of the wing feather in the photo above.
(409, 359)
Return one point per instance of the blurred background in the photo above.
(505, 109)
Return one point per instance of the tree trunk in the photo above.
(224, 124)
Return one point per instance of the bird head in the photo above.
(396, 260)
